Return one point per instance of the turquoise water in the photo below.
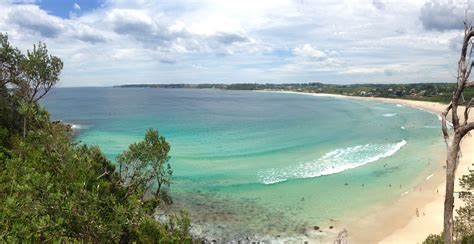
(262, 165)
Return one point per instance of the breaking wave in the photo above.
(389, 115)
(437, 115)
(332, 162)
(77, 127)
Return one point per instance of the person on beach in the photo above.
(417, 213)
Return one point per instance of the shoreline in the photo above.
(399, 223)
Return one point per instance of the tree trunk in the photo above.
(464, 81)
(451, 163)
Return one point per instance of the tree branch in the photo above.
(35, 90)
(463, 130)
(45, 91)
(102, 175)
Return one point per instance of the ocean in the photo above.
(263, 165)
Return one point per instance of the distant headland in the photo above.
(434, 92)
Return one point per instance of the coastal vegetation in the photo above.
(463, 224)
(53, 189)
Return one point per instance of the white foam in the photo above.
(400, 106)
(403, 127)
(76, 126)
(448, 123)
(333, 162)
(429, 176)
(406, 192)
(389, 115)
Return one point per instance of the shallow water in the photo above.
(255, 164)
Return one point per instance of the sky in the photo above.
(112, 42)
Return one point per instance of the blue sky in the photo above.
(66, 8)
(110, 42)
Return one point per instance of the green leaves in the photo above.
(33, 75)
(40, 72)
(144, 167)
(53, 190)
(464, 222)
(10, 61)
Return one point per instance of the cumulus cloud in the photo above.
(311, 58)
(155, 33)
(32, 19)
(230, 38)
(86, 33)
(246, 41)
(442, 16)
(131, 22)
(309, 52)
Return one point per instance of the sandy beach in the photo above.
(398, 222)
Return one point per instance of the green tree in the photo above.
(434, 239)
(10, 62)
(464, 222)
(39, 73)
(144, 167)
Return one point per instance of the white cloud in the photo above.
(77, 7)
(308, 51)
(443, 15)
(242, 41)
(30, 18)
